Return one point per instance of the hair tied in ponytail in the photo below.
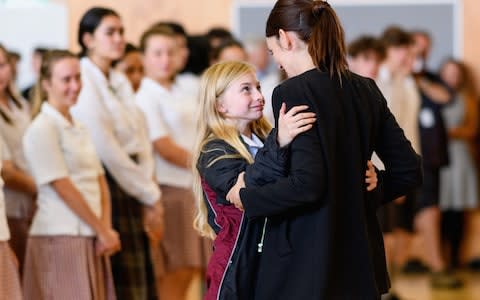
(317, 7)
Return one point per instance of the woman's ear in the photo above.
(45, 84)
(284, 39)
(87, 40)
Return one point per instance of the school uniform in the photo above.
(9, 276)
(19, 205)
(238, 245)
(404, 101)
(323, 240)
(106, 107)
(171, 113)
(61, 245)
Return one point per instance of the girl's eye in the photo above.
(246, 89)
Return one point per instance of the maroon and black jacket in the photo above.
(231, 272)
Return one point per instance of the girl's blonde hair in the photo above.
(212, 125)
(49, 59)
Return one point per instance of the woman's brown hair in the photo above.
(315, 23)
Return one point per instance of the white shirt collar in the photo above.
(54, 114)
(150, 84)
(252, 142)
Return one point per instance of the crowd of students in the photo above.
(96, 156)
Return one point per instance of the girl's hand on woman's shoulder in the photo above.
(293, 122)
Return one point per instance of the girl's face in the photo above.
(107, 41)
(64, 84)
(132, 66)
(450, 74)
(160, 57)
(242, 100)
(5, 71)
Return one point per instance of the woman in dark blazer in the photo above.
(323, 240)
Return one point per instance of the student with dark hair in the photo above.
(217, 35)
(38, 52)
(322, 240)
(131, 65)
(365, 55)
(106, 105)
(229, 50)
(397, 84)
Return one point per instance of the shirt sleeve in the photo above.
(157, 128)
(44, 155)
(129, 175)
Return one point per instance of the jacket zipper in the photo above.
(260, 245)
(230, 259)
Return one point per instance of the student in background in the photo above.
(131, 65)
(71, 235)
(229, 50)
(19, 190)
(170, 113)
(397, 84)
(106, 105)
(36, 63)
(365, 55)
(9, 276)
(459, 180)
(269, 77)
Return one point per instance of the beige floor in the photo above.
(409, 288)
(418, 288)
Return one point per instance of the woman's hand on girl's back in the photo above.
(293, 122)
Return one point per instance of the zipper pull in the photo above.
(260, 247)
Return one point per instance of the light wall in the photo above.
(199, 15)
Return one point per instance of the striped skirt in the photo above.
(9, 279)
(131, 267)
(66, 267)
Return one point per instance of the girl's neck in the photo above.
(167, 83)
(245, 129)
(102, 63)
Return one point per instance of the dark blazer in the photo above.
(323, 240)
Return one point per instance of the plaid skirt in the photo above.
(66, 267)
(132, 266)
(9, 280)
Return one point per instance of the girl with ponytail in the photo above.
(322, 240)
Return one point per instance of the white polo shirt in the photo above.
(169, 113)
(18, 204)
(106, 106)
(4, 232)
(56, 149)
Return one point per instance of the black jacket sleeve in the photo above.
(222, 173)
(306, 180)
(403, 166)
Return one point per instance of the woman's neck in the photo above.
(102, 63)
(303, 62)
